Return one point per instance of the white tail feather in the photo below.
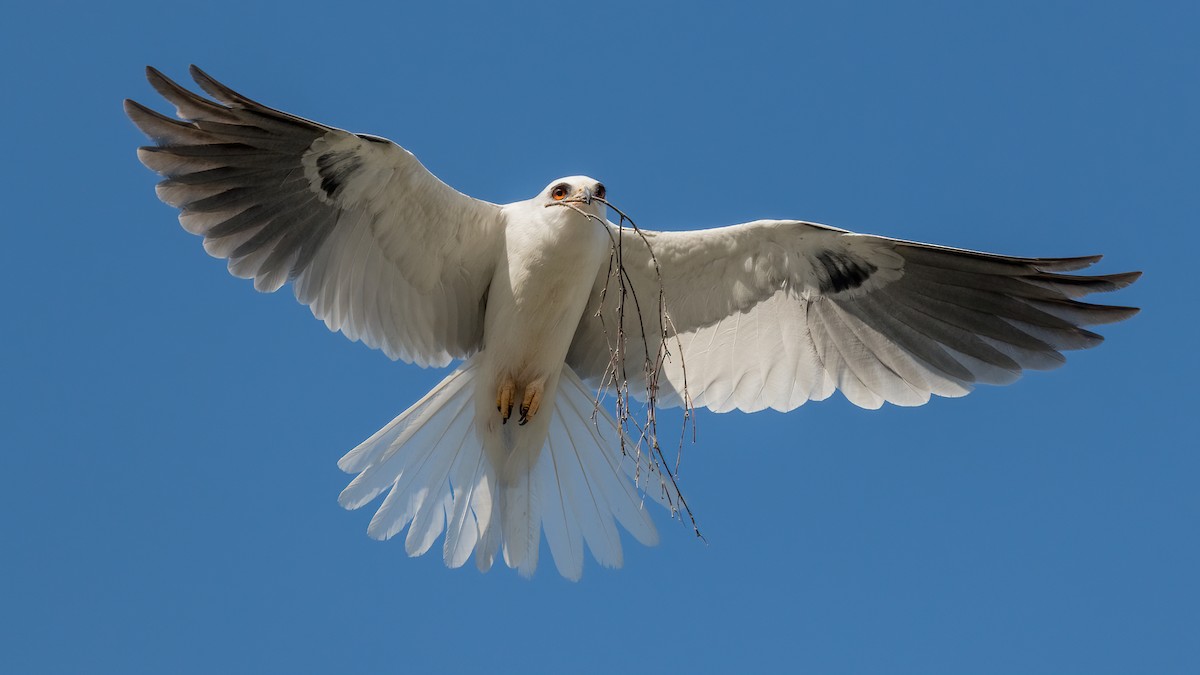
(558, 518)
(489, 544)
(520, 513)
(577, 487)
(463, 525)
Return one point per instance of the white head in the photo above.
(579, 192)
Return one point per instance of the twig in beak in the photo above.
(616, 374)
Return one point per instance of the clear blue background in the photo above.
(169, 436)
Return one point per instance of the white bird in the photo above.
(767, 314)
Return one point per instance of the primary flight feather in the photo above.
(767, 314)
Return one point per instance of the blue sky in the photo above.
(170, 436)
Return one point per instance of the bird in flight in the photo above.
(765, 314)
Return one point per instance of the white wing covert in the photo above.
(375, 244)
(770, 314)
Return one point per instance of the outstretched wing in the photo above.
(375, 244)
(770, 314)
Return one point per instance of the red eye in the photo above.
(599, 194)
(559, 192)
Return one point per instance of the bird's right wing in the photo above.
(771, 314)
(375, 244)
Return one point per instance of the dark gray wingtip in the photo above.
(219, 91)
(1124, 279)
(1100, 283)
(162, 84)
(212, 87)
(1106, 283)
(135, 110)
(1122, 313)
(235, 100)
(138, 113)
(1065, 264)
(188, 105)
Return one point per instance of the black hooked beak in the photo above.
(587, 195)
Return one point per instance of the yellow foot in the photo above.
(504, 399)
(533, 399)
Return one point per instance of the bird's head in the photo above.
(578, 192)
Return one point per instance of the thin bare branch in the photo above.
(616, 374)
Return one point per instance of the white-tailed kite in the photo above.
(767, 314)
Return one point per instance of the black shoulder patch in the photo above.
(843, 272)
(335, 168)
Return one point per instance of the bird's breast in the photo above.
(538, 294)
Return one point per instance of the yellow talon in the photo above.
(504, 399)
(532, 400)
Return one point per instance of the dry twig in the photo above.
(616, 374)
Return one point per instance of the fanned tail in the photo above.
(431, 460)
(577, 486)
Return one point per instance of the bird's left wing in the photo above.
(770, 314)
(375, 244)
